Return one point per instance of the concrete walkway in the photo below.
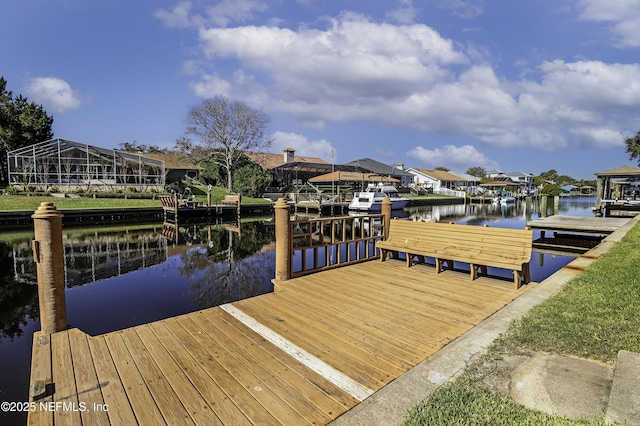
(390, 405)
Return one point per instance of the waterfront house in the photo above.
(438, 181)
(395, 171)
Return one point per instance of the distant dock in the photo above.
(573, 234)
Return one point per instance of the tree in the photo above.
(633, 147)
(21, 124)
(223, 131)
(251, 180)
(476, 171)
(136, 147)
(550, 175)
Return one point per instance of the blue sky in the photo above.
(512, 85)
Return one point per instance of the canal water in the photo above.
(118, 277)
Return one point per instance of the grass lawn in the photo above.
(21, 202)
(593, 316)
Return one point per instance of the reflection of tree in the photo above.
(18, 301)
(230, 268)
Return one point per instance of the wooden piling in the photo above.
(386, 211)
(49, 257)
(283, 240)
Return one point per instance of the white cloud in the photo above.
(621, 16)
(303, 146)
(223, 13)
(178, 17)
(463, 8)
(355, 69)
(53, 93)
(405, 13)
(452, 157)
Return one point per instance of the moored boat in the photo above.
(371, 199)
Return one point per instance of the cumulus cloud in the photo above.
(53, 93)
(303, 146)
(350, 68)
(622, 18)
(452, 157)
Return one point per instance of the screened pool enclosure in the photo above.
(66, 165)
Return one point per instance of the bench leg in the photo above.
(440, 264)
(517, 279)
(527, 273)
(383, 255)
(418, 259)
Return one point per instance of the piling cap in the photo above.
(281, 204)
(46, 210)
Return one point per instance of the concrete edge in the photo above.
(391, 404)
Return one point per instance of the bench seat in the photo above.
(480, 247)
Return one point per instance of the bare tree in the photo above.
(222, 132)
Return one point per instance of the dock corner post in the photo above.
(386, 211)
(49, 257)
(283, 240)
(239, 203)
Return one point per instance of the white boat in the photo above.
(504, 199)
(371, 199)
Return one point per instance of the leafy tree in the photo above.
(251, 180)
(477, 172)
(21, 124)
(223, 131)
(551, 175)
(441, 168)
(136, 147)
(633, 147)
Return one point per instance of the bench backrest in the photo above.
(504, 247)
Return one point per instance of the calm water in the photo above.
(126, 276)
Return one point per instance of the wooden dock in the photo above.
(302, 355)
(577, 224)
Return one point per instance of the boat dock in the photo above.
(302, 355)
(577, 224)
(572, 234)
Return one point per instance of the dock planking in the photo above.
(369, 322)
(577, 224)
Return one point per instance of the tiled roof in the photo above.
(271, 161)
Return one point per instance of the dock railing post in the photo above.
(283, 240)
(49, 257)
(386, 211)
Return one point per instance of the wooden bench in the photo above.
(478, 246)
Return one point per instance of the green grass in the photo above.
(24, 202)
(593, 316)
(467, 402)
(21, 202)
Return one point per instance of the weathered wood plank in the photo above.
(169, 404)
(324, 394)
(41, 371)
(89, 393)
(144, 406)
(204, 351)
(178, 346)
(261, 365)
(194, 404)
(113, 392)
(261, 388)
(64, 381)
